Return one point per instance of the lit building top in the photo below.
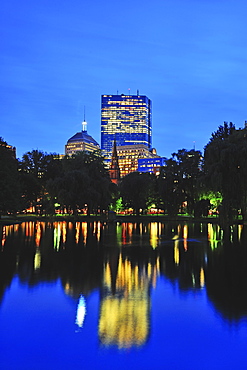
(81, 141)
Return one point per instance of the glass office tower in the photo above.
(127, 119)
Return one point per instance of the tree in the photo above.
(169, 188)
(36, 167)
(83, 180)
(189, 168)
(178, 181)
(138, 191)
(225, 169)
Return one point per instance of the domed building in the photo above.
(81, 141)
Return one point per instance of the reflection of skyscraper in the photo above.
(126, 118)
(125, 305)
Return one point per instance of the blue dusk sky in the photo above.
(188, 56)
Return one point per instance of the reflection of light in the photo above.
(84, 232)
(124, 314)
(64, 232)
(185, 236)
(153, 234)
(185, 231)
(57, 235)
(119, 235)
(98, 230)
(77, 234)
(202, 278)
(81, 312)
(213, 235)
(240, 228)
(176, 252)
(124, 322)
(38, 234)
(185, 244)
(4, 236)
(193, 280)
(37, 260)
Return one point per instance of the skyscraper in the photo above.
(127, 119)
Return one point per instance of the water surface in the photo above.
(128, 296)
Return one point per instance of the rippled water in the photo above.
(127, 296)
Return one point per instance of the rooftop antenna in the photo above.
(129, 90)
(84, 123)
(137, 92)
(117, 92)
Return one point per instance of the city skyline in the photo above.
(57, 58)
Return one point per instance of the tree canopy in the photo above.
(225, 169)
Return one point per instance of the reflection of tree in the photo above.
(43, 252)
(7, 265)
(125, 301)
(182, 259)
(226, 280)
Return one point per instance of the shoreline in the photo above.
(8, 220)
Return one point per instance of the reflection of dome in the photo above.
(81, 141)
(81, 312)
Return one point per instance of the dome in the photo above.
(83, 137)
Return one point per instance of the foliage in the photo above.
(83, 182)
(178, 181)
(225, 169)
(35, 168)
(138, 191)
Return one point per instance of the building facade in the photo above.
(81, 141)
(128, 156)
(127, 119)
(151, 165)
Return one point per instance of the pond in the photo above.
(128, 296)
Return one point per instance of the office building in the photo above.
(81, 141)
(128, 156)
(151, 165)
(127, 119)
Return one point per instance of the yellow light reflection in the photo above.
(4, 237)
(202, 278)
(125, 305)
(124, 322)
(64, 233)
(214, 236)
(77, 233)
(37, 260)
(38, 234)
(240, 229)
(153, 234)
(84, 232)
(176, 252)
(185, 236)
